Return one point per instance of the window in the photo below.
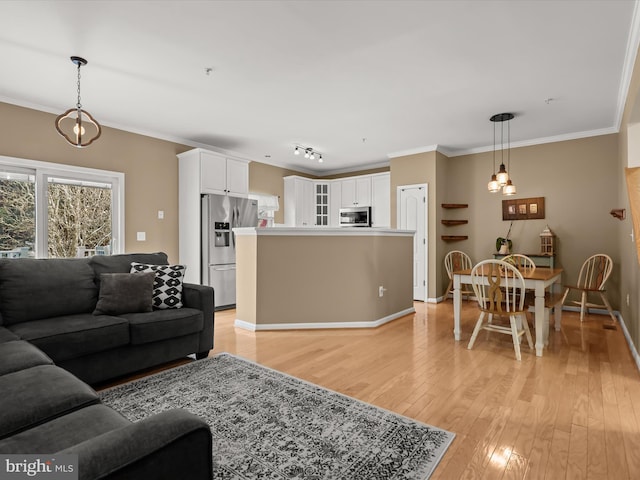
(17, 212)
(267, 206)
(78, 217)
(53, 210)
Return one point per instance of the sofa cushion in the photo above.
(18, 355)
(33, 289)
(64, 432)
(38, 394)
(163, 324)
(7, 335)
(125, 293)
(72, 336)
(167, 287)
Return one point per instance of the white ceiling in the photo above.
(358, 81)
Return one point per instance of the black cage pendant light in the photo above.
(76, 125)
(501, 179)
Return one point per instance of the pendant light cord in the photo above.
(79, 105)
(502, 142)
(494, 149)
(509, 146)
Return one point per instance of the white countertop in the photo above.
(322, 231)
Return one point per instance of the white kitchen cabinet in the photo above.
(381, 200)
(335, 202)
(201, 171)
(237, 177)
(299, 202)
(317, 202)
(356, 192)
(222, 175)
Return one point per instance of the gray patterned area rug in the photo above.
(268, 425)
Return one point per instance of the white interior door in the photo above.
(412, 215)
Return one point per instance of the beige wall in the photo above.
(323, 279)
(438, 275)
(150, 167)
(577, 179)
(418, 169)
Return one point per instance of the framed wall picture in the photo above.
(523, 208)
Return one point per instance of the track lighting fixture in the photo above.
(309, 153)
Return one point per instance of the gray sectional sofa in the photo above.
(51, 302)
(51, 343)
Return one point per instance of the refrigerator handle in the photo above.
(234, 223)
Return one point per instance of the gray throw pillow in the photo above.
(125, 293)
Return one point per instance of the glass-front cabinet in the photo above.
(322, 204)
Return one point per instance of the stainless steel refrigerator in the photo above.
(221, 214)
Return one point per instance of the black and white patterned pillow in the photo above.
(167, 286)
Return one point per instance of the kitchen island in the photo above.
(298, 278)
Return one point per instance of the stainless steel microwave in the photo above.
(355, 217)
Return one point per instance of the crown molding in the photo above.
(430, 148)
(358, 168)
(539, 141)
(413, 151)
(288, 166)
(129, 129)
(634, 42)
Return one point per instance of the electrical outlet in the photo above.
(381, 291)
(141, 236)
(160, 214)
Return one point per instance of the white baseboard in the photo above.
(306, 326)
(450, 296)
(632, 347)
(625, 331)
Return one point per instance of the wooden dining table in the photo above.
(539, 280)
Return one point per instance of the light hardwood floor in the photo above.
(574, 413)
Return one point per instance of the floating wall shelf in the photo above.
(454, 238)
(454, 222)
(455, 205)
